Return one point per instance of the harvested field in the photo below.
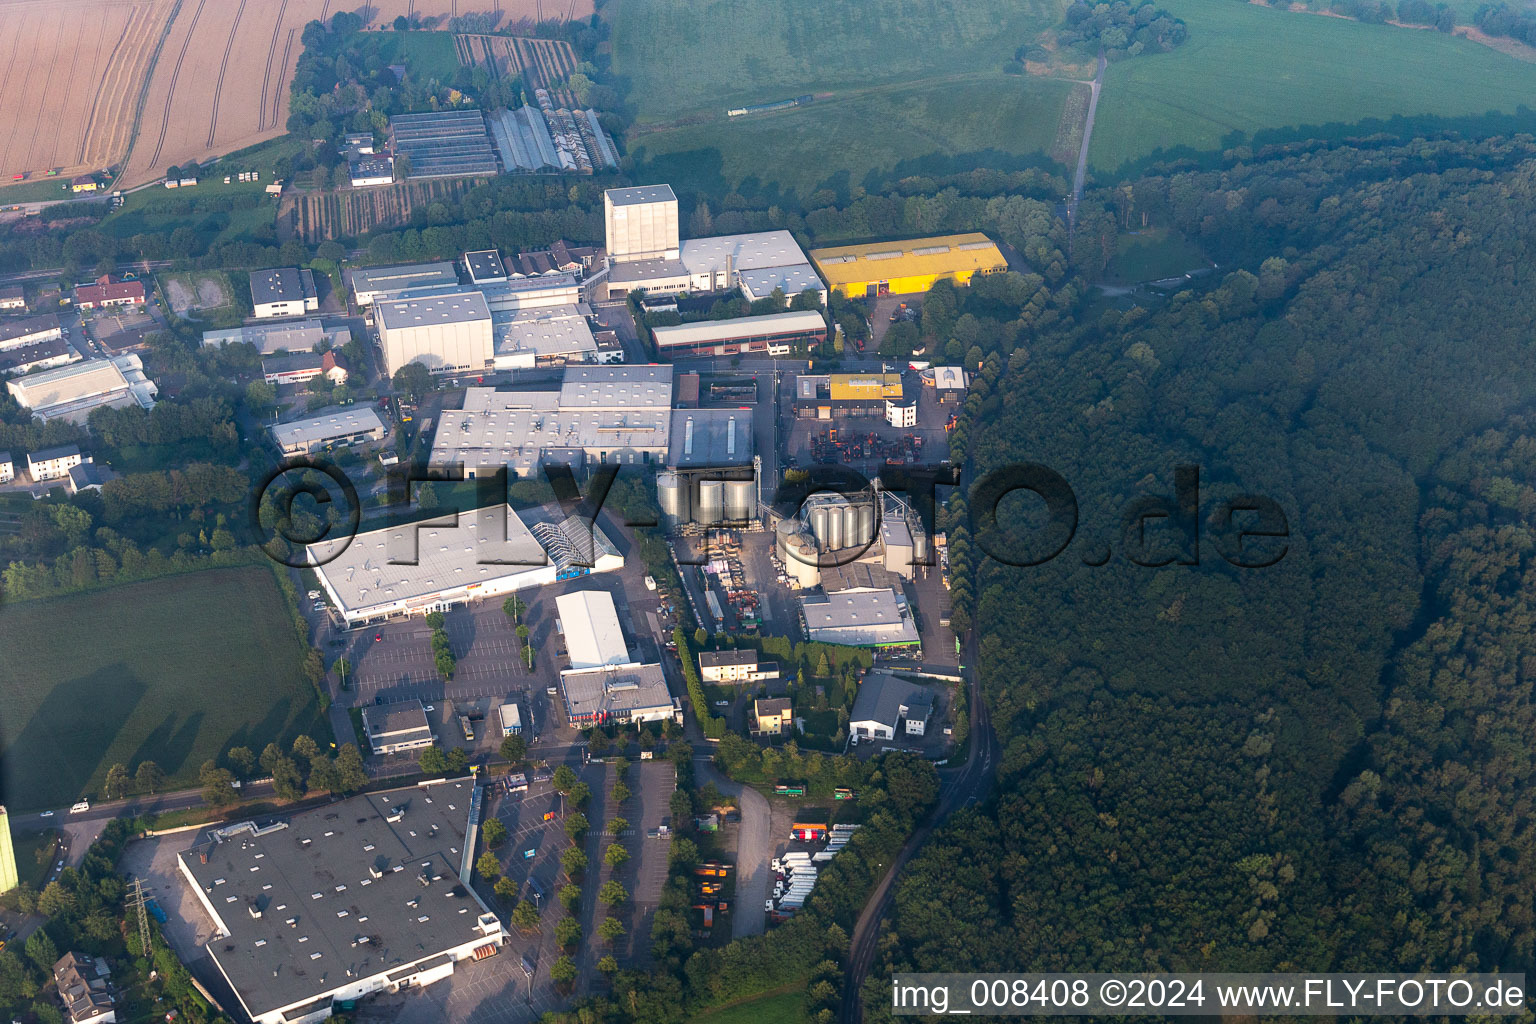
(316, 217)
(71, 72)
(542, 63)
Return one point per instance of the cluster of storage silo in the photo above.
(685, 499)
(798, 553)
(838, 523)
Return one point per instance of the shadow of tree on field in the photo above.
(57, 752)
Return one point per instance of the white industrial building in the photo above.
(392, 728)
(774, 334)
(520, 294)
(863, 617)
(886, 703)
(641, 223)
(542, 336)
(511, 719)
(445, 333)
(589, 622)
(483, 553)
(72, 392)
(756, 262)
(368, 895)
(606, 414)
(283, 292)
(352, 425)
(370, 284)
(288, 336)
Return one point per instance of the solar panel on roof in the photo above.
(930, 250)
(975, 245)
(884, 255)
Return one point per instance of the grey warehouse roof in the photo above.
(624, 689)
(485, 264)
(710, 437)
(395, 721)
(864, 616)
(354, 420)
(458, 308)
(337, 893)
(282, 284)
(703, 332)
(617, 387)
(640, 194)
(399, 278)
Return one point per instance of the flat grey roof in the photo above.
(317, 873)
(398, 278)
(750, 251)
(638, 194)
(354, 420)
(630, 386)
(640, 271)
(550, 331)
(484, 264)
(882, 696)
(396, 722)
(857, 617)
(614, 689)
(717, 659)
(293, 335)
(292, 361)
(513, 427)
(710, 437)
(281, 284)
(456, 308)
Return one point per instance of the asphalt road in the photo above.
(967, 786)
(1082, 153)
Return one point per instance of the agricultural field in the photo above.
(1248, 70)
(71, 72)
(350, 213)
(858, 139)
(202, 662)
(685, 58)
(541, 62)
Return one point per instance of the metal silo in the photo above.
(851, 525)
(819, 524)
(866, 528)
(740, 499)
(672, 496)
(711, 502)
(834, 528)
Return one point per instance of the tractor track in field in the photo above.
(266, 79)
(218, 87)
(170, 93)
(277, 89)
(90, 120)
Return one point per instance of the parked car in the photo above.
(429, 707)
(46, 814)
(722, 703)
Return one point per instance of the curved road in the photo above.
(964, 787)
(1082, 152)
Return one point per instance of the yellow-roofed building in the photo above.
(865, 387)
(907, 267)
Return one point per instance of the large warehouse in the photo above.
(547, 291)
(773, 334)
(72, 392)
(352, 425)
(493, 551)
(907, 267)
(602, 684)
(445, 333)
(604, 414)
(866, 617)
(757, 263)
(288, 336)
(590, 624)
(542, 337)
(350, 899)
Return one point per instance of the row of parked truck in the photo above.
(795, 873)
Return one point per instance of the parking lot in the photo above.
(652, 784)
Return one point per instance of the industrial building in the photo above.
(756, 262)
(108, 292)
(948, 382)
(371, 170)
(735, 667)
(392, 728)
(485, 267)
(355, 424)
(837, 395)
(641, 223)
(589, 623)
(605, 414)
(548, 336)
(444, 144)
(270, 339)
(53, 463)
(370, 284)
(866, 617)
(300, 367)
(72, 392)
(773, 334)
(713, 473)
(520, 294)
(445, 333)
(283, 292)
(840, 543)
(366, 895)
(40, 355)
(32, 330)
(907, 267)
(618, 694)
(884, 703)
(491, 552)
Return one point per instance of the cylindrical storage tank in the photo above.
(819, 524)
(786, 531)
(919, 546)
(800, 563)
(866, 532)
(711, 502)
(672, 497)
(851, 525)
(740, 499)
(834, 528)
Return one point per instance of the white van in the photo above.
(82, 806)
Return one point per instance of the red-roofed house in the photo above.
(107, 292)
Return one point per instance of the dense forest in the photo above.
(1321, 764)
